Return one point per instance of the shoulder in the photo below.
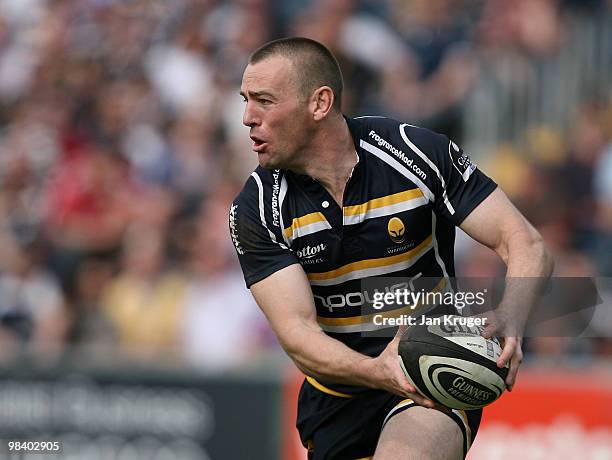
(392, 135)
(257, 206)
(423, 138)
(259, 182)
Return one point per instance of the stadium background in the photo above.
(126, 328)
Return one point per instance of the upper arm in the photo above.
(286, 299)
(495, 221)
(468, 198)
(258, 240)
(271, 270)
(455, 182)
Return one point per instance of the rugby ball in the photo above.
(448, 361)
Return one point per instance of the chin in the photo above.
(265, 161)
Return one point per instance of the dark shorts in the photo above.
(341, 427)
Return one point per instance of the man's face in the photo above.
(275, 112)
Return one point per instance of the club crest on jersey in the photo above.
(396, 230)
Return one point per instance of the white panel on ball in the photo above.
(463, 369)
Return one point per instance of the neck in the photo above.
(331, 157)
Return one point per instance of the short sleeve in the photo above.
(457, 184)
(260, 248)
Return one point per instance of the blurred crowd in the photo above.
(121, 147)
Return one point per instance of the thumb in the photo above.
(400, 331)
(490, 326)
(489, 331)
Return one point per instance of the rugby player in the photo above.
(336, 201)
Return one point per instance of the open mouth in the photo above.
(258, 144)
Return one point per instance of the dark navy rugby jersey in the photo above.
(408, 191)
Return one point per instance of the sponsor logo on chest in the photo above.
(309, 255)
(309, 251)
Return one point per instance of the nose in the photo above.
(250, 117)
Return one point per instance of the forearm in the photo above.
(286, 300)
(527, 256)
(322, 357)
(529, 265)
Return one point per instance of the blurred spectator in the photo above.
(87, 208)
(222, 326)
(531, 26)
(91, 328)
(32, 310)
(603, 217)
(144, 300)
(197, 164)
(325, 21)
(19, 194)
(441, 67)
(181, 77)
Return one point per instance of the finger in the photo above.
(489, 331)
(411, 392)
(515, 363)
(490, 326)
(405, 383)
(508, 351)
(421, 400)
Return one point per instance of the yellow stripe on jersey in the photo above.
(468, 430)
(363, 319)
(324, 389)
(382, 201)
(371, 263)
(402, 402)
(299, 222)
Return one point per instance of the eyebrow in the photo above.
(257, 94)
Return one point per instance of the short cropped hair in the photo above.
(314, 64)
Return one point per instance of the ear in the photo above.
(322, 102)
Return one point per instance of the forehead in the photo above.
(274, 74)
